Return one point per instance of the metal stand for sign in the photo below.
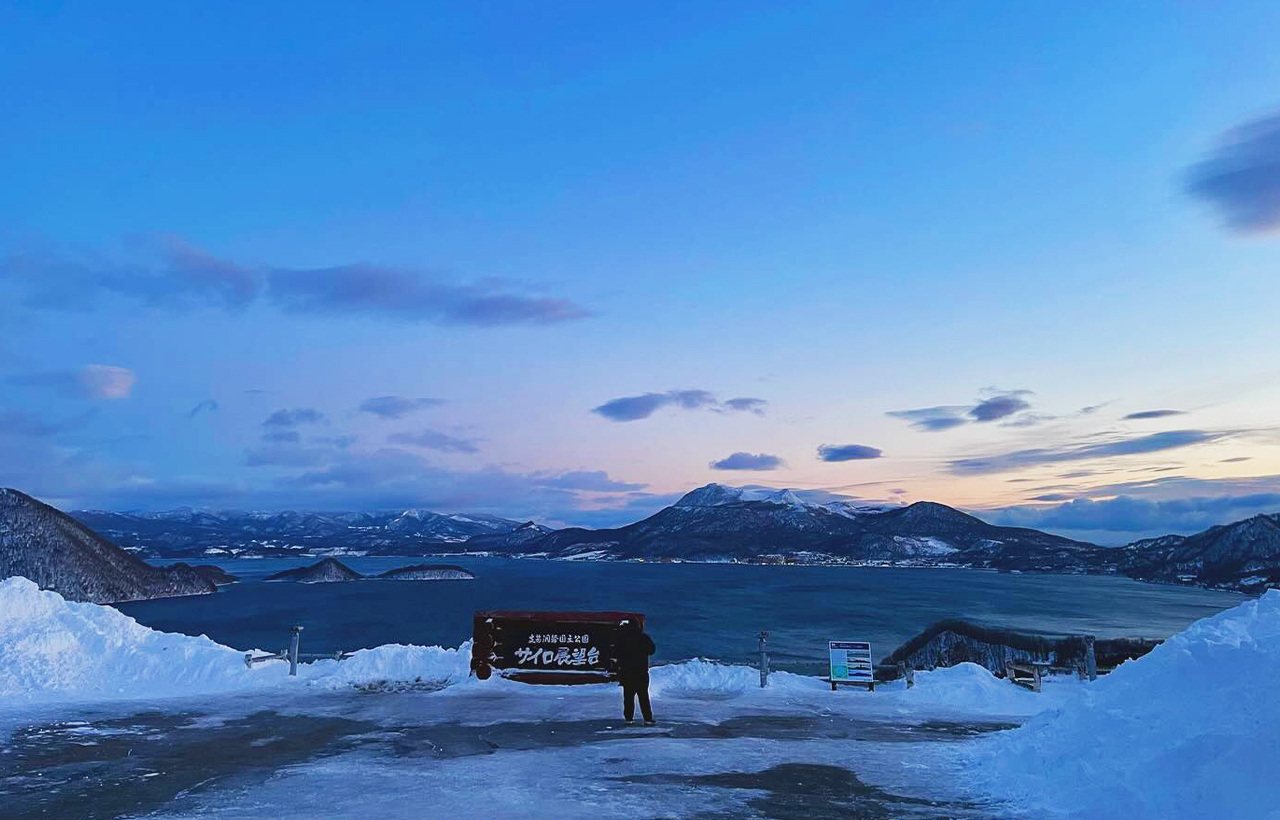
(870, 684)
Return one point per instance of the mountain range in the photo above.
(716, 523)
(186, 532)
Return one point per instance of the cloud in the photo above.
(999, 406)
(748, 461)
(1152, 414)
(434, 440)
(846, 452)
(747, 405)
(932, 419)
(26, 425)
(294, 418)
(1018, 459)
(390, 292)
(634, 408)
(395, 407)
(169, 272)
(1236, 459)
(93, 381)
(586, 480)
(206, 406)
(1127, 514)
(287, 454)
(1241, 177)
(282, 436)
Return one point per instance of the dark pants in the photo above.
(634, 686)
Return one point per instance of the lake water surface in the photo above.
(694, 610)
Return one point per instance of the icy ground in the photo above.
(103, 718)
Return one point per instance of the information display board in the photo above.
(851, 662)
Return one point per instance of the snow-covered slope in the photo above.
(1191, 730)
(53, 650)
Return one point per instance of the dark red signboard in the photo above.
(548, 647)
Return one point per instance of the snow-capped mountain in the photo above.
(716, 522)
(187, 532)
(57, 552)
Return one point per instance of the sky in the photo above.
(568, 261)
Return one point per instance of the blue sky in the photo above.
(625, 252)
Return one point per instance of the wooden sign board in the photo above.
(548, 647)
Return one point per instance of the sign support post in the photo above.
(764, 660)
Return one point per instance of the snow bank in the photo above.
(701, 678)
(1191, 730)
(395, 663)
(55, 650)
(972, 688)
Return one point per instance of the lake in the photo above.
(711, 611)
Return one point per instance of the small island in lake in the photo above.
(331, 569)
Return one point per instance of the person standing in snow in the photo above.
(634, 648)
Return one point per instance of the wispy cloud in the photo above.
(434, 440)
(395, 407)
(999, 406)
(1018, 459)
(294, 418)
(596, 481)
(390, 292)
(746, 405)
(996, 405)
(1242, 176)
(93, 381)
(169, 272)
(206, 406)
(634, 408)
(932, 419)
(17, 423)
(847, 452)
(748, 461)
(1152, 414)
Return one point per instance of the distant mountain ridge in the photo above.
(57, 552)
(720, 523)
(185, 532)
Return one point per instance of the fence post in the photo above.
(295, 633)
(1090, 659)
(764, 660)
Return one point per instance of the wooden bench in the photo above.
(1026, 673)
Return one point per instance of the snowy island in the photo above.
(330, 570)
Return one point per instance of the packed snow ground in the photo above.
(1189, 731)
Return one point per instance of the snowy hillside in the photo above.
(57, 552)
